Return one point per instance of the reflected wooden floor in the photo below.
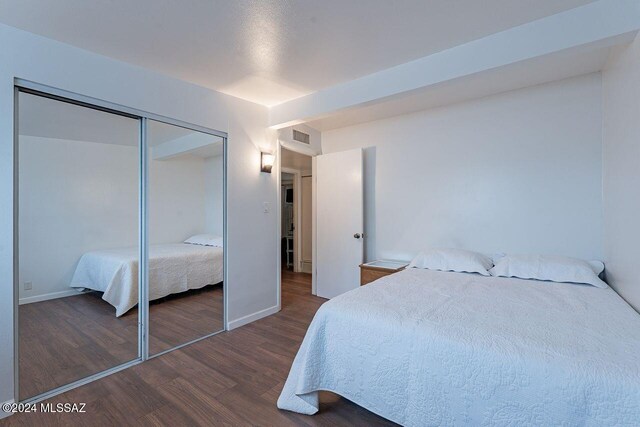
(67, 339)
(185, 317)
(233, 378)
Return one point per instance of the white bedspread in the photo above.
(173, 268)
(425, 347)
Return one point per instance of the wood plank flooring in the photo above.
(233, 378)
(67, 339)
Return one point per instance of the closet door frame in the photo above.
(143, 215)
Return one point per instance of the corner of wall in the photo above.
(621, 170)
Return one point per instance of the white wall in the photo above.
(515, 172)
(306, 226)
(178, 199)
(285, 136)
(252, 235)
(214, 186)
(621, 171)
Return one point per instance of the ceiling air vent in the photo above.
(300, 136)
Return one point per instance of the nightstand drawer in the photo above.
(368, 276)
(374, 270)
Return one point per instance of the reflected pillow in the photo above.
(551, 268)
(453, 260)
(205, 240)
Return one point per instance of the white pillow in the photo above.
(551, 268)
(205, 240)
(453, 260)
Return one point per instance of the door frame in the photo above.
(297, 201)
(26, 86)
(307, 151)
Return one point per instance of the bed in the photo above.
(173, 268)
(424, 347)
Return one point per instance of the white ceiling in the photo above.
(271, 51)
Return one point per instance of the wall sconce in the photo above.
(266, 162)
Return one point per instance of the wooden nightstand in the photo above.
(374, 270)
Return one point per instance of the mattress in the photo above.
(423, 347)
(173, 268)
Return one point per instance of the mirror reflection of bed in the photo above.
(185, 287)
(79, 178)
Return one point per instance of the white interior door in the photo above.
(339, 222)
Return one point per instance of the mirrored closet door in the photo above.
(77, 237)
(185, 234)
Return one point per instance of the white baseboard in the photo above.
(4, 414)
(45, 297)
(306, 267)
(252, 317)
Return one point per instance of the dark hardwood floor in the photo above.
(67, 339)
(233, 378)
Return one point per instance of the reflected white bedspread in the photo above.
(424, 347)
(173, 268)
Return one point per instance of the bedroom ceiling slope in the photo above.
(567, 44)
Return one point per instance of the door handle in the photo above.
(357, 236)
